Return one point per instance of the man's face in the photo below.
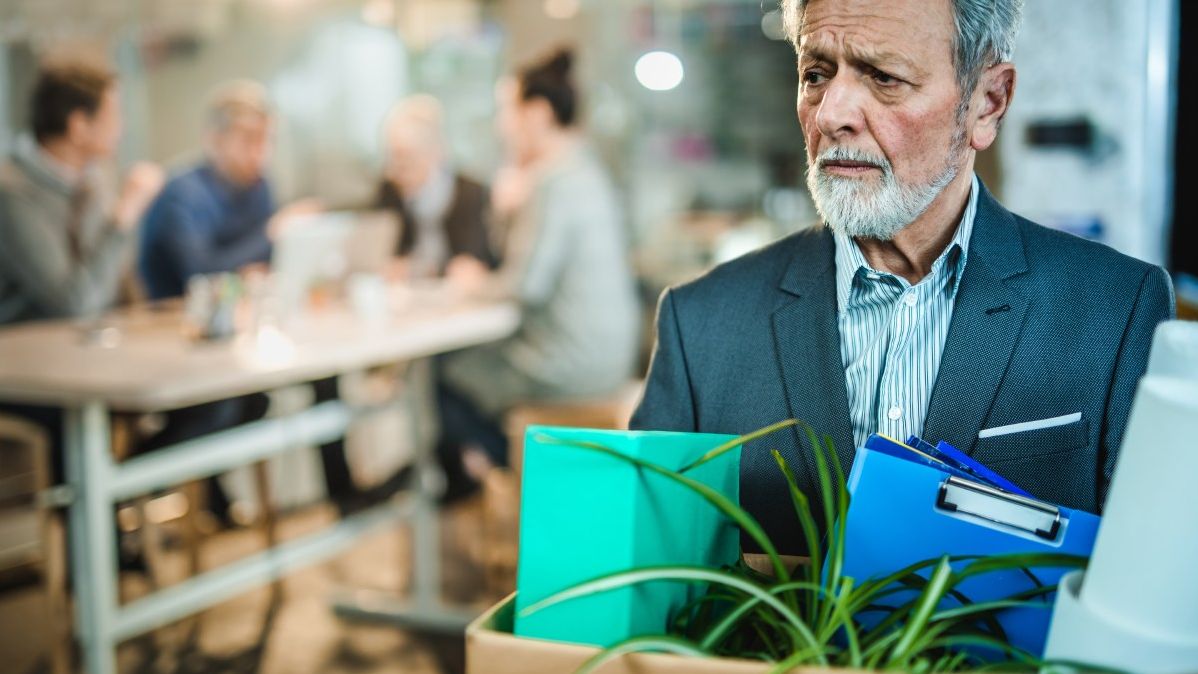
(98, 134)
(878, 101)
(411, 157)
(241, 150)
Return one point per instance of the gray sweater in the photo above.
(566, 263)
(40, 276)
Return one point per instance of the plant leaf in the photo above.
(729, 621)
(922, 611)
(807, 522)
(742, 440)
(675, 573)
(639, 645)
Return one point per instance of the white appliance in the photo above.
(1136, 607)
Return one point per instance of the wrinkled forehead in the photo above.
(916, 33)
(243, 125)
(409, 136)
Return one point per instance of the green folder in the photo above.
(585, 514)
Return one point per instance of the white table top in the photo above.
(153, 366)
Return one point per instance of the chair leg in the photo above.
(151, 543)
(267, 521)
(52, 523)
(501, 525)
(54, 580)
(194, 491)
(189, 628)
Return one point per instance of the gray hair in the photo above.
(234, 99)
(985, 32)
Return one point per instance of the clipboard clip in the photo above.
(994, 505)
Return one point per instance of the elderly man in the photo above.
(444, 214)
(923, 306)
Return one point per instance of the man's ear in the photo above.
(78, 125)
(991, 100)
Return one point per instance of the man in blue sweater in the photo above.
(220, 216)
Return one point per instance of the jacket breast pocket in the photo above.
(1034, 443)
(1055, 464)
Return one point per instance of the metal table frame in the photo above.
(97, 482)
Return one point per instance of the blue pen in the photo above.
(962, 461)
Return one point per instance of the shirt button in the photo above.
(909, 299)
(894, 413)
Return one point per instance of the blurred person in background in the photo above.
(219, 216)
(565, 263)
(65, 242)
(443, 213)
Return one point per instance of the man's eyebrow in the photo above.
(881, 58)
(814, 54)
(876, 58)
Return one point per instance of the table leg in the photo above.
(424, 610)
(426, 539)
(93, 544)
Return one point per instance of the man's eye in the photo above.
(885, 79)
(813, 77)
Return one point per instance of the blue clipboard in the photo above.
(906, 509)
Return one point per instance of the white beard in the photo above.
(858, 208)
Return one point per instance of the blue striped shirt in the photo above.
(892, 333)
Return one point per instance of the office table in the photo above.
(140, 361)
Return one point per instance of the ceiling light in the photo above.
(659, 71)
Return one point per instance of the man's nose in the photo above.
(839, 114)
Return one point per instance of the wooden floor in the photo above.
(300, 634)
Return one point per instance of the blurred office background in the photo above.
(1090, 145)
(690, 104)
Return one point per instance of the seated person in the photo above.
(443, 213)
(923, 306)
(64, 242)
(219, 216)
(565, 263)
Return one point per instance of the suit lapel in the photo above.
(987, 321)
(807, 341)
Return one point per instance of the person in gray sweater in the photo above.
(64, 242)
(565, 263)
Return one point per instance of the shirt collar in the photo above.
(850, 262)
(434, 196)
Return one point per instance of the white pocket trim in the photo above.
(1030, 425)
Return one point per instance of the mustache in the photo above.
(842, 153)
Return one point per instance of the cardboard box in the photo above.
(491, 648)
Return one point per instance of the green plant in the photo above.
(918, 619)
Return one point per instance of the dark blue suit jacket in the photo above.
(1045, 324)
